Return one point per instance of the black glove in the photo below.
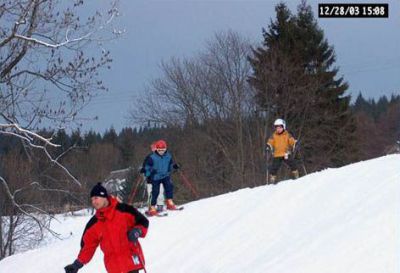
(268, 149)
(176, 166)
(134, 234)
(142, 170)
(74, 267)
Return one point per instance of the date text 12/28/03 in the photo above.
(357, 10)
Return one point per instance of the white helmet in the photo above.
(280, 122)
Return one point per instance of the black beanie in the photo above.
(99, 190)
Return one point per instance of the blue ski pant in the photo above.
(168, 189)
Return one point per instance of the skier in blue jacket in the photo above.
(149, 185)
(158, 170)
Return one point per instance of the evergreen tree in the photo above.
(110, 136)
(381, 106)
(63, 139)
(76, 138)
(361, 105)
(394, 99)
(127, 146)
(91, 138)
(295, 79)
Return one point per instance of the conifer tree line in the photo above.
(91, 156)
(216, 110)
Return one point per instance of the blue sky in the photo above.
(368, 50)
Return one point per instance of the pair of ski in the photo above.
(162, 213)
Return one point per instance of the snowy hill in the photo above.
(344, 220)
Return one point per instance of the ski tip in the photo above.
(156, 215)
(177, 208)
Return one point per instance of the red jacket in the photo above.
(109, 228)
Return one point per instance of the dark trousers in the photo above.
(168, 189)
(277, 163)
(134, 271)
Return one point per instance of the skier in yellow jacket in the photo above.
(281, 143)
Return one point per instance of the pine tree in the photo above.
(295, 79)
(127, 146)
(381, 106)
(91, 138)
(63, 139)
(110, 136)
(361, 105)
(76, 138)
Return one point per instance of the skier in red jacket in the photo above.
(116, 227)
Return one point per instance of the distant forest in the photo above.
(91, 156)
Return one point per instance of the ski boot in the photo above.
(170, 204)
(295, 174)
(272, 179)
(152, 211)
(160, 208)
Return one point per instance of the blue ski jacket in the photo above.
(158, 166)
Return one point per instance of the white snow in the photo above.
(344, 220)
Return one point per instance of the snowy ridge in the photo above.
(342, 220)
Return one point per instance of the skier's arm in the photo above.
(270, 143)
(89, 242)
(145, 163)
(170, 165)
(148, 167)
(135, 218)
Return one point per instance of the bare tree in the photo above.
(50, 60)
(210, 94)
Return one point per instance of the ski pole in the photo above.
(267, 164)
(268, 151)
(302, 162)
(296, 147)
(144, 200)
(188, 184)
(134, 190)
(141, 260)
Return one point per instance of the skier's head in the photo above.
(161, 146)
(99, 196)
(280, 125)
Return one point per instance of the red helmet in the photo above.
(161, 144)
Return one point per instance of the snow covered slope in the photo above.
(344, 220)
